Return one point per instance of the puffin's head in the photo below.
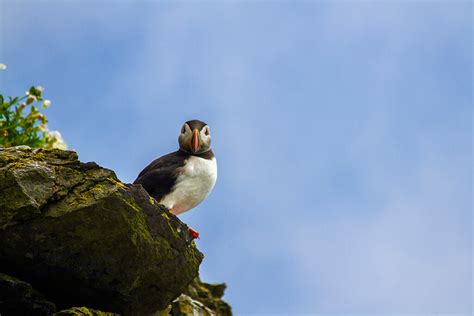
(195, 137)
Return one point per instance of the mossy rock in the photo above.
(185, 306)
(18, 298)
(83, 238)
(201, 299)
(210, 295)
(83, 311)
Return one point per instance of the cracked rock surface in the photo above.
(82, 238)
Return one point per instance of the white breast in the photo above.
(192, 186)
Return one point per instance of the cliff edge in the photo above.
(72, 235)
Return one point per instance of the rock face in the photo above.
(19, 298)
(82, 238)
(202, 299)
(83, 311)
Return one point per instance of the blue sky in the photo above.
(342, 132)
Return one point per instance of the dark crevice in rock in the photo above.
(19, 298)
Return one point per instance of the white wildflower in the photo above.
(46, 103)
(59, 143)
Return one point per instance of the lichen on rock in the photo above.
(83, 238)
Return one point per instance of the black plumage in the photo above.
(159, 177)
(196, 124)
(183, 179)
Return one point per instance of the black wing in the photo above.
(159, 177)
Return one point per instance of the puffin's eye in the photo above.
(183, 130)
(206, 131)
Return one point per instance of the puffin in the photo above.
(182, 179)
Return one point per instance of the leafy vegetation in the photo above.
(22, 123)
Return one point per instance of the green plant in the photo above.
(18, 126)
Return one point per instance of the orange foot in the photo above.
(194, 233)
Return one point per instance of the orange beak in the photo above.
(195, 141)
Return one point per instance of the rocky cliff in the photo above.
(72, 235)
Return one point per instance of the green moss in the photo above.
(140, 231)
(116, 182)
(190, 254)
(172, 229)
(133, 205)
(100, 186)
(152, 201)
(83, 311)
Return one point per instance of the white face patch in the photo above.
(206, 136)
(193, 185)
(186, 135)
